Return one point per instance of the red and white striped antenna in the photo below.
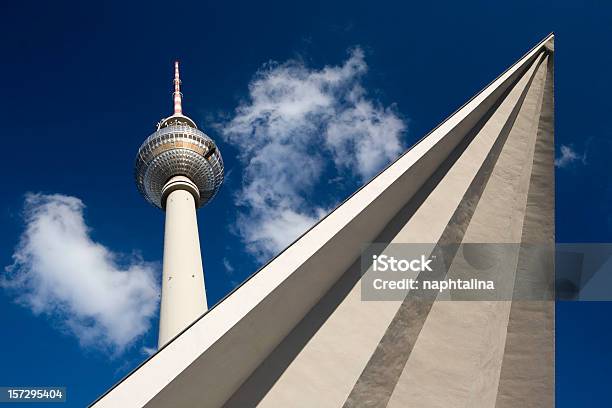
(178, 96)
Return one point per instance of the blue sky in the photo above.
(85, 84)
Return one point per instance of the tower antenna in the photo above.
(178, 96)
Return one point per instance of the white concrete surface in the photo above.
(326, 369)
(457, 358)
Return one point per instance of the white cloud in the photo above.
(364, 137)
(568, 156)
(296, 122)
(148, 351)
(228, 266)
(59, 271)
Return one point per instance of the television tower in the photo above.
(179, 169)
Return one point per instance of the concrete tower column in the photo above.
(179, 169)
(183, 296)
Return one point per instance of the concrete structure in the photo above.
(179, 168)
(298, 334)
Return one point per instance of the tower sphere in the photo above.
(178, 148)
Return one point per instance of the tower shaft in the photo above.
(183, 295)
